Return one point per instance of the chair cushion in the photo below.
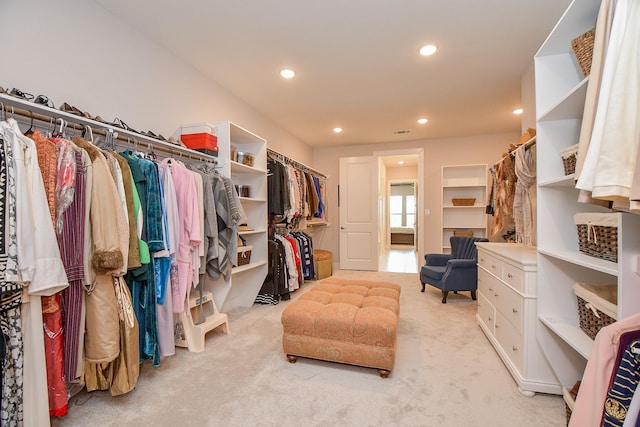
(433, 272)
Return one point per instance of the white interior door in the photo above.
(357, 200)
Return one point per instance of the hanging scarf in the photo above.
(525, 162)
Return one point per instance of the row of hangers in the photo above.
(513, 149)
(286, 160)
(106, 137)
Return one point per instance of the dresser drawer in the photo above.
(487, 285)
(510, 340)
(490, 263)
(510, 304)
(487, 313)
(513, 276)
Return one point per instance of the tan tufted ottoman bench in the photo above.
(346, 321)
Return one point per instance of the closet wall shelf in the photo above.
(578, 258)
(249, 232)
(252, 200)
(44, 114)
(570, 107)
(571, 334)
(311, 224)
(242, 168)
(249, 266)
(560, 92)
(563, 181)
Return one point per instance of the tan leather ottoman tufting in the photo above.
(346, 321)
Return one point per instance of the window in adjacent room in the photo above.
(402, 206)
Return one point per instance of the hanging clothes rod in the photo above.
(11, 106)
(295, 163)
(511, 153)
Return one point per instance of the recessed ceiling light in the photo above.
(337, 130)
(287, 74)
(428, 50)
(401, 162)
(518, 111)
(423, 120)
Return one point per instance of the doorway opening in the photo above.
(364, 200)
(399, 222)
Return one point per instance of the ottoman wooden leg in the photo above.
(292, 358)
(384, 373)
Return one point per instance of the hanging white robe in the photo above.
(598, 161)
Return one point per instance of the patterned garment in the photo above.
(51, 305)
(11, 411)
(71, 241)
(624, 386)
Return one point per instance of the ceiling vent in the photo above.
(401, 132)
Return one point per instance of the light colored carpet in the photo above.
(446, 374)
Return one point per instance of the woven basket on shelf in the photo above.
(461, 233)
(569, 396)
(463, 202)
(569, 157)
(596, 306)
(583, 49)
(598, 235)
(244, 255)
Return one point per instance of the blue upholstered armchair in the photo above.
(456, 271)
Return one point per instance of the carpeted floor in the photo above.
(446, 374)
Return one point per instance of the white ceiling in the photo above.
(356, 60)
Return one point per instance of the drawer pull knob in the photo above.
(482, 259)
(489, 318)
(496, 294)
(493, 266)
(514, 348)
(510, 276)
(515, 310)
(491, 289)
(497, 326)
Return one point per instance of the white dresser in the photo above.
(507, 313)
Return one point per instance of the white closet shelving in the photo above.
(560, 97)
(246, 280)
(463, 182)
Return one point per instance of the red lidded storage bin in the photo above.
(203, 142)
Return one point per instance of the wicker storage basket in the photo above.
(596, 306)
(463, 202)
(598, 234)
(583, 49)
(569, 155)
(569, 401)
(244, 255)
(463, 233)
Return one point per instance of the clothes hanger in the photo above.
(60, 132)
(87, 130)
(151, 155)
(30, 130)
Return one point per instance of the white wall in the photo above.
(528, 98)
(437, 153)
(76, 52)
(398, 173)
